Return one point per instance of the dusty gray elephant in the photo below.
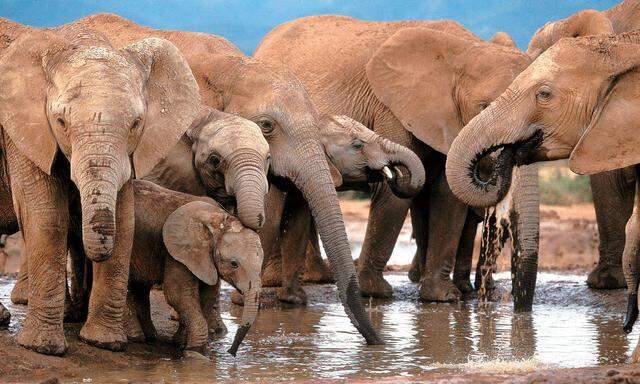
(391, 76)
(613, 191)
(200, 244)
(356, 156)
(276, 100)
(78, 113)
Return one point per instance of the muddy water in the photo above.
(570, 326)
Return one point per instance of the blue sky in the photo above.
(246, 22)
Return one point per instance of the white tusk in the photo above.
(398, 172)
(387, 172)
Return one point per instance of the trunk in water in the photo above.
(249, 313)
(407, 170)
(525, 230)
(314, 181)
(630, 268)
(250, 187)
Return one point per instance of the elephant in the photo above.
(416, 83)
(278, 103)
(613, 191)
(80, 119)
(356, 157)
(187, 243)
(631, 266)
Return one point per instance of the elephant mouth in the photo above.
(398, 176)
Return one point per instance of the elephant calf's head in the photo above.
(104, 109)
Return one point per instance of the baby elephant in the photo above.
(187, 243)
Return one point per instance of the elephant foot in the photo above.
(319, 273)
(43, 339)
(215, 325)
(463, 285)
(291, 295)
(194, 355)
(132, 328)
(5, 316)
(414, 273)
(606, 276)
(111, 338)
(373, 284)
(20, 292)
(439, 290)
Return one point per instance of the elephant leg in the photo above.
(210, 304)
(464, 255)
(447, 216)
(295, 238)
(138, 296)
(81, 275)
(386, 217)
(316, 270)
(108, 299)
(270, 237)
(20, 291)
(613, 197)
(420, 224)
(132, 326)
(182, 291)
(41, 204)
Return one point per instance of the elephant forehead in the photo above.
(83, 57)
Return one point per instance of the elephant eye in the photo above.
(483, 105)
(234, 264)
(544, 93)
(357, 144)
(266, 125)
(62, 123)
(214, 160)
(135, 125)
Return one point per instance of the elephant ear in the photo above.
(173, 100)
(611, 140)
(23, 96)
(189, 235)
(413, 74)
(336, 176)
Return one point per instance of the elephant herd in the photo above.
(132, 157)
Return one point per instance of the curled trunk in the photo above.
(250, 187)
(314, 181)
(407, 177)
(249, 314)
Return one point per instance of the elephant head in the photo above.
(210, 242)
(111, 113)
(434, 82)
(358, 155)
(576, 100)
(584, 23)
(231, 158)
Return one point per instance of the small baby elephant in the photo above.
(186, 242)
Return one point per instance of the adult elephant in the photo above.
(416, 83)
(79, 119)
(613, 191)
(274, 99)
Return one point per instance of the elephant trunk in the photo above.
(313, 179)
(249, 314)
(525, 226)
(250, 186)
(496, 131)
(630, 269)
(97, 174)
(406, 169)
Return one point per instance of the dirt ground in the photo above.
(568, 241)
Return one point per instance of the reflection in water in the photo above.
(569, 327)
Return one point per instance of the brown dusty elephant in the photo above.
(276, 100)
(613, 191)
(416, 83)
(80, 118)
(576, 100)
(356, 157)
(199, 244)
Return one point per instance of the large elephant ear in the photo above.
(23, 95)
(189, 235)
(173, 100)
(611, 140)
(413, 73)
